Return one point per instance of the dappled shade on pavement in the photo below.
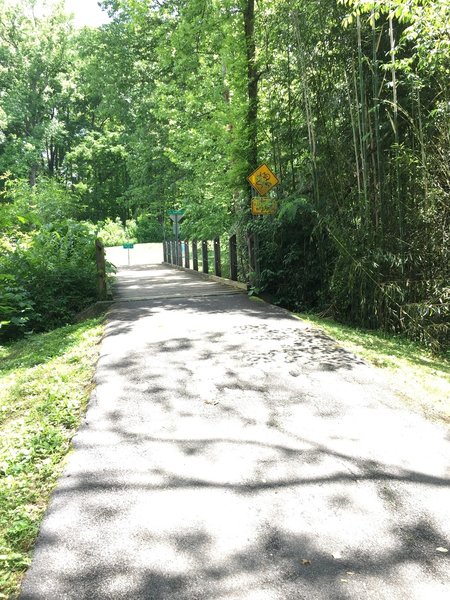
(232, 452)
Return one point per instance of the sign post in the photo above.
(128, 246)
(262, 181)
(177, 216)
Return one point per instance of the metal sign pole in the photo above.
(129, 262)
(254, 259)
(176, 216)
(262, 180)
(177, 233)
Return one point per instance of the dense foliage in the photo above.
(47, 259)
(174, 102)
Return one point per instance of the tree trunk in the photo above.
(252, 84)
(32, 175)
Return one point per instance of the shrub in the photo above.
(115, 233)
(112, 233)
(54, 269)
(47, 202)
(16, 307)
(148, 230)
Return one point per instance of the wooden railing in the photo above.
(186, 254)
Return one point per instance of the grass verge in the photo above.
(45, 381)
(420, 378)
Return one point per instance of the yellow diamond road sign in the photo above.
(264, 206)
(263, 180)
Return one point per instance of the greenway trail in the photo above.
(230, 452)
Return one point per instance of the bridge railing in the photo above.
(207, 256)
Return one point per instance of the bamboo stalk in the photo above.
(363, 124)
(354, 133)
(291, 139)
(395, 127)
(306, 99)
(376, 103)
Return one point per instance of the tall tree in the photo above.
(36, 53)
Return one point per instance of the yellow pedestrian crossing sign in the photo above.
(263, 180)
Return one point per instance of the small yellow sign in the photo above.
(264, 206)
(263, 180)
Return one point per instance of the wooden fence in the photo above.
(179, 254)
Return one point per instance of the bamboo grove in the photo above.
(175, 102)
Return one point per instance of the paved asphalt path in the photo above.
(232, 452)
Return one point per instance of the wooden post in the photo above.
(257, 256)
(174, 252)
(194, 255)
(205, 256)
(102, 291)
(180, 253)
(187, 262)
(253, 276)
(217, 263)
(169, 252)
(165, 250)
(233, 258)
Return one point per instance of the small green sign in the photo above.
(128, 246)
(176, 212)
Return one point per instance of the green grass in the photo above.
(45, 381)
(420, 378)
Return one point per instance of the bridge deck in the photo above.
(147, 282)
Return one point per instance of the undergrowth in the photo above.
(45, 382)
